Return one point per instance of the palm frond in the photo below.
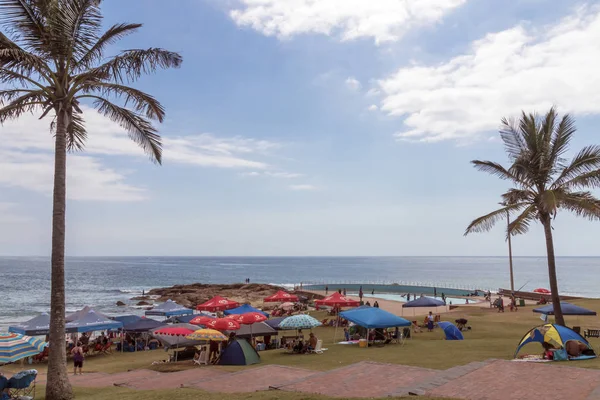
(9, 76)
(514, 144)
(141, 102)
(80, 24)
(131, 64)
(113, 34)
(494, 169)
(582, 204)
(487, 222)
(76, 132)
(140, 130)
(26, 19)
(27, 102)
(585, 162)
(514, 196)
(562, 138)
(520, 225)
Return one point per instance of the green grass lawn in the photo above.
(493, 335)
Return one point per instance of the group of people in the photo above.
(299, 346)
(512, 305)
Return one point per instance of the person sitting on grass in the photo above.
(312, 342)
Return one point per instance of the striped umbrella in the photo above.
(207, 334)
(14, 347)
(300, 321)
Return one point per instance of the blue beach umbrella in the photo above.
(301, 321)
(14, 347)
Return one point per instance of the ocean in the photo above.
(102, 281)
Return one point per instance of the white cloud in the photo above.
(87, 178)
(353, 83)
(26, 157)
(382, 20)
(302, 187)
(373, 107)
(273, 174)
(503, 73)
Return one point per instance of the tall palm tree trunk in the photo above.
(510, 257)
(558, 315)
(58, 386)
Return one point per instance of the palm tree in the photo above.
(52, 58)
(543, 181)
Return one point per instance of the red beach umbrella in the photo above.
(542, 291)
(248, 318)
(201, 320)
(217, 303)
(281, 296)
(173, 331)
(223, 324)
(336, 299)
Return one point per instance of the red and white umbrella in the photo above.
(281, 296)
(217, 303)
(201, 320)
(248, 318)
(223, 324)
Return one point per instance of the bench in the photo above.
(594, 333)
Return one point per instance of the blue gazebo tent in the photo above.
(93, 322)
(373, 317)
(567, 309)
(243, 309)
(133, 323)
(82, 313)
(451, 331)
(424, 302)
(36, 326)
(169, 309)
(274, 322)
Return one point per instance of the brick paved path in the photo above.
(363, 379)
(507, 380)
(173, 380)
(255, 379)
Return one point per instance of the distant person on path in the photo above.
(430, 322)
(408, 297)
(344, 291)
(77, 353)
(360, 294)
(373, 292)
(500, 304)
(340, 291)
(326, 289)
(434, 292)
(346, 334)
(376, 304)
(443, 297)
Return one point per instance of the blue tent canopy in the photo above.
(133, 323)
(168, 309)
(93, 322)
(243, 309)
(567, 309)
(373, 317)
(274, 322)
(451, 331)
(36, 326)
(424, 302)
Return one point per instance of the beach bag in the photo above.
(560, 355)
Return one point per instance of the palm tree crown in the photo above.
(52, 53)
(543, 180)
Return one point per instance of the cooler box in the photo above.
(362, 343)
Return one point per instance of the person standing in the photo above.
(344, 291)
(443, 297)
(326, 289)
(434, 292)
(360, 294)
(373, 292)
(430, 322)
(78, 358)
(346, 334)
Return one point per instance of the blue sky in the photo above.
(339, 127)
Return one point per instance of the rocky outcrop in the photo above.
(143, 303)
(197, 293)
(121, 304)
